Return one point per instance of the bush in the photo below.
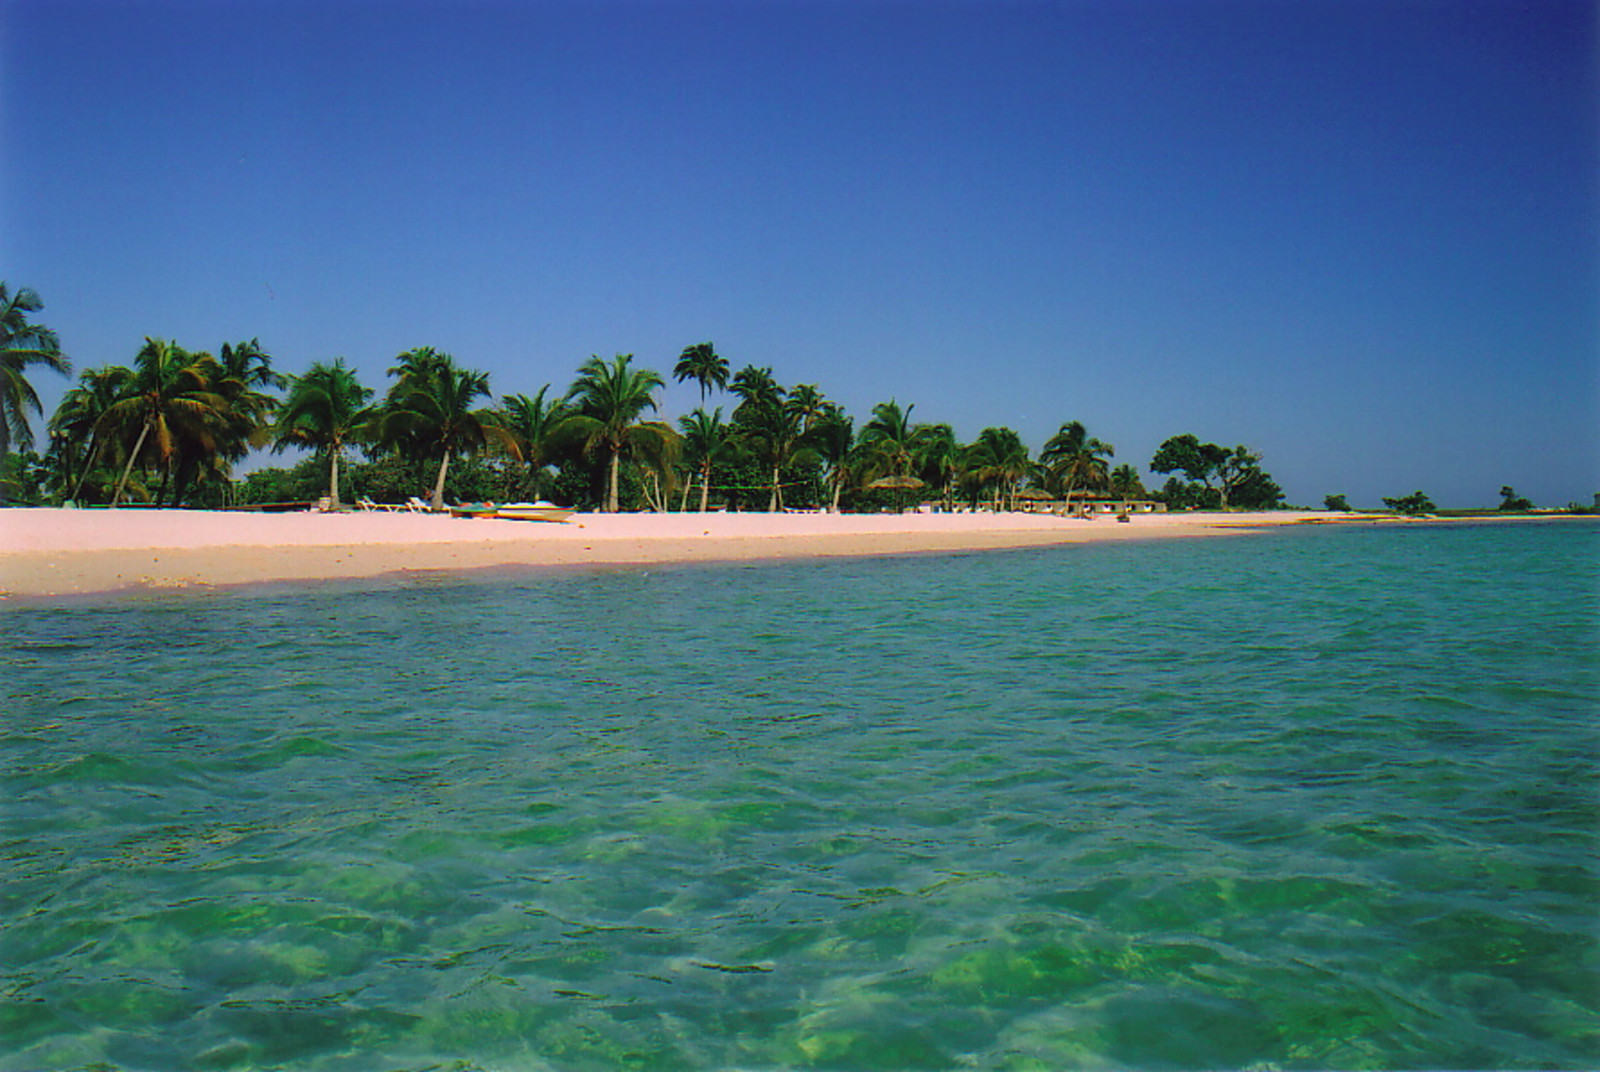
(1414, 504)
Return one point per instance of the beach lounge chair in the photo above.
(418, 506)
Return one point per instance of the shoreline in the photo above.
(46, 553)
(49, 553)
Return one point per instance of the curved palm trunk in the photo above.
(705, 489)
(438, 485)
(94, 453)
(838, 486)
(127, 470)
(775, 500)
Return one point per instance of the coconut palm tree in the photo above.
(706, 441)
(767, 426)
(999, 459)
(805, 401)
(21, 345)
(890, 436)
(701, 364)
(534, 425)
(1125, 483)
(832, 438)
(609, 399)
(326, 409)
(755, 388)
(1076, 459)
(429, 411)
(76, 423)
(168, 402)
(938, 459)
(241, 377)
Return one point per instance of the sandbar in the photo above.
(54, 552)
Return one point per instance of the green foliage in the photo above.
(1074, 460)
(1336, 503)
(305, 481)
(1187, 495)
(1414, 504)
(1125, 483)
(22, 478)
(1511, 501)
(23, 345)
(1234, 475)
(609, 398)
(701, 364)
(429, 413)
(326, 410)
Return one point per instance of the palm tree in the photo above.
(890, 436)
(239, 376)
(999, 458)
(326, 410)
(806, 402)
(535, 429)
(701, 364)
(832, 437)
(23, 344)
(755, 388)
(168, 395)
(76, 423)
(938, 458)
(771, 429)
(706, 440)
(1125, 483)
(429, 411)
(1075, 459)
(609, 399)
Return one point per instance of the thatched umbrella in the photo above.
(898, 485)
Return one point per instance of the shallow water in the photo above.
(1312, 798)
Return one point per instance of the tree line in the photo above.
(171, 427)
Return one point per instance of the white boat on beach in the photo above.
(534, 511)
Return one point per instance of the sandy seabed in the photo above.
(52, 552)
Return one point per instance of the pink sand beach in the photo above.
(53, 552)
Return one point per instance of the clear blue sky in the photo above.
(1360, 237)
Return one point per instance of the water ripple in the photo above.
(1312, 799)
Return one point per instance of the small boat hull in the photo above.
(534, 512)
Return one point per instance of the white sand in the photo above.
(46, 552)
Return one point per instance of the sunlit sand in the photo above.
(47, 552)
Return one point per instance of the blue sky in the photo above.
(1358, 236)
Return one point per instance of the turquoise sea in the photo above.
(1315, 798)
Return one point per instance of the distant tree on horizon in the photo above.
(1414, 504)
(1510, 500)
(1335, 503)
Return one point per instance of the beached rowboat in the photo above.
(535, 511)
